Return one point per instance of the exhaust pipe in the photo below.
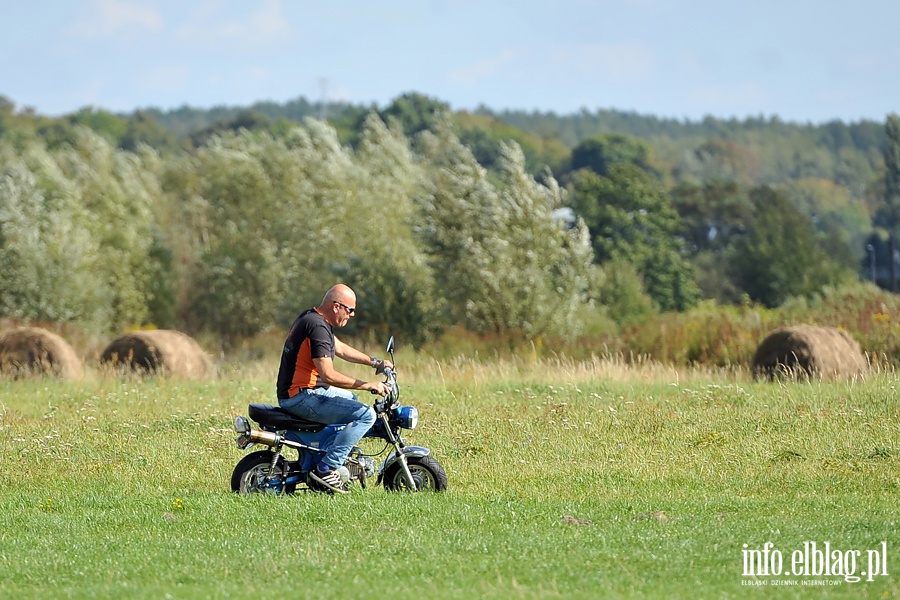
(255, 436)
(251, 436)
(264, 437)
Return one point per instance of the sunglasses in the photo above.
(350, 310)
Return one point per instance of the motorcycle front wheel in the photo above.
(254, 475)
(426, 471)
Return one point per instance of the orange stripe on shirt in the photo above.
(305, 374)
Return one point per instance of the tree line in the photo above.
(230, 221)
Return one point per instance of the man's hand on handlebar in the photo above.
(377, 387)
(381, 363)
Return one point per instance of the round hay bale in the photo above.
(160, 351)
(28, 351)
(809, 351)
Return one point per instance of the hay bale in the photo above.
(809, 351)
(160, 351)
(28, 351)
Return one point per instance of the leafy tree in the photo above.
(146, 235)
(630, 217)
(853, 170)
(504, 264)
(233, 287)
(248, 120)
(142, 128)
(780, 256)
(875, 264)
(623, 294)
(161, 297)
(599, 153)
(712, 214)
(58, 133)
(841, 221)
(78, 231)
(321, 215)
(347, 121)
(236, 284)
(889, 212)
(415, 113)
(712, 272)
(107, 124)
(721, 160)
(387, 265)
(754, 151)
(390, 300)
(484, 135)
(308, 212)
(113, 186)
(51, 264)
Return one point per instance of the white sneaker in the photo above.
(330, 480)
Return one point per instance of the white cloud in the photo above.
(484, 69)
(104, 18)
(336, 94)
(169, 77)
(742, 98)
(88, 93)
(863, 62)
(689, 65)
(263, 27)
(619, 61)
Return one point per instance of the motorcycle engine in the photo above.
(360, 467)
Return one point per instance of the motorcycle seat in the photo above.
(276, 417)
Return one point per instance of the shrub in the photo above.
(729, 335)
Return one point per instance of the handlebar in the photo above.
(393, 396)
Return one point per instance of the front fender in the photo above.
(408, 452)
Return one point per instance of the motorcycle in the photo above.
(269, 471)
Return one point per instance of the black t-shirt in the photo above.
(311, 337)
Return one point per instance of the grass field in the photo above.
(567, 479)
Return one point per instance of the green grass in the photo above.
(567, 479)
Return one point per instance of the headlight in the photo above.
(408, 417)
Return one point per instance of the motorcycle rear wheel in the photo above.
(427, 472)
(251, 473)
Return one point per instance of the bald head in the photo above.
(340, 293)
(338, 305)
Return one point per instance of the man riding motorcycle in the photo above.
(310, 387)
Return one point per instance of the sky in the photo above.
(805, 61)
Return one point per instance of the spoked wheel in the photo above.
(254, 475)
(426, 471)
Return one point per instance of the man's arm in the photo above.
(351, 354)
(331, 376)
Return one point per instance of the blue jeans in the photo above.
(333, 406)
